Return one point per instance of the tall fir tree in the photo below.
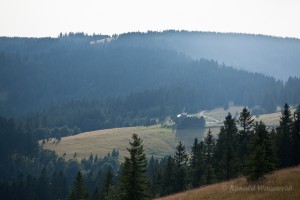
(43, 187)
(246, 122)
(209, 175)
(155, 177)
(96, 195)
(284, 137)
(168, 177)
(112, 193)
(194, 153)
(296, 138)
(196, 163)
(231, 130)
(59, 189)
(108, 181)
(152, 165)
(181, 159)
(180, 156)
(229, 163)
(209, 147)
(134, 183)
(227, 166)
(79, 190)
(262, 158)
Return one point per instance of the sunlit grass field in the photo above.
(281, 185)
(158, 141)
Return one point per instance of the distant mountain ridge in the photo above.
(272, 56)
(36, 73)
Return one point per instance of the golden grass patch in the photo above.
(280, 185)
(158, 141)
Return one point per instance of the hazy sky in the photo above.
(50, 17)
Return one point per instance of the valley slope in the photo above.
(280, 185)
(158, 141)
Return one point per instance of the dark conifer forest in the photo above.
(253, 150)
(91, 83)
(56, 87)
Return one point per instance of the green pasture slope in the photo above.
(158, 141)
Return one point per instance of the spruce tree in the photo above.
(284, 137)
(246, 122)
(90, 180)
(96, 195)
(79, 190)
(296, 138)
(125, 180)
(262, 159)
(154, 174)
(59, 189)
(231, 130)
(43, 188)
(209, 147)
(225, 153)
(209, 175)
(196, 163)
(180, 156)
(229, 163)
(218, 153)
(112, 193)
(151, 167)
(168, 177)
(134, 181)
(181, 159)
(108, 181)
(194, 153)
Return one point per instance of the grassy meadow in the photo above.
(158, 141)
(280, 185)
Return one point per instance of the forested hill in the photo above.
(38, 73)
(272, 56)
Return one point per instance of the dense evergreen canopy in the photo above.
(57, 87)
(30, 172)
(134, 182)
(52, 71)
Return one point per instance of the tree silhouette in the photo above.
(134, 181)
(79, 190)
(262, 159)
(285, 134)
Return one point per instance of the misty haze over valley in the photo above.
(140, 100)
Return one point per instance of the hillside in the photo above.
(216, 116)
(161, 141)
(283, 184)
(158, 141)
(272, 56)
(55, 71)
